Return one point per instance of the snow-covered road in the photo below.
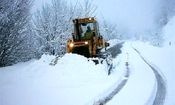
(161, 83)
(115, 50)
(157, 97)
(141, 83)
(115, 90)
(157, 89)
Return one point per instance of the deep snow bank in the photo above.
(72, 81)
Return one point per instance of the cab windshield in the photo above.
(84, 31)
(86, 28)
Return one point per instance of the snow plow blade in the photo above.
(106, 59)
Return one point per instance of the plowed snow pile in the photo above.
(72, 81)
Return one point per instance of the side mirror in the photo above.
(107, 44)
(100, 37)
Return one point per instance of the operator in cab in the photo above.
(88, 34)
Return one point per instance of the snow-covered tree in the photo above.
(87, 8)
(109, 30)
(52, 27)
(14, 17)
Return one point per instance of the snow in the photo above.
(168, 32)
(114, 42)
(164, 59)
(75, 80)
(138, 89)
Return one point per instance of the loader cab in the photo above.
(85, 29)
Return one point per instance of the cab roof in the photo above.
(84, 20)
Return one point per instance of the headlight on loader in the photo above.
(71, 45)
(86, 42)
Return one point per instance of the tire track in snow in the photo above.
(161, 83)
(116, 90)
